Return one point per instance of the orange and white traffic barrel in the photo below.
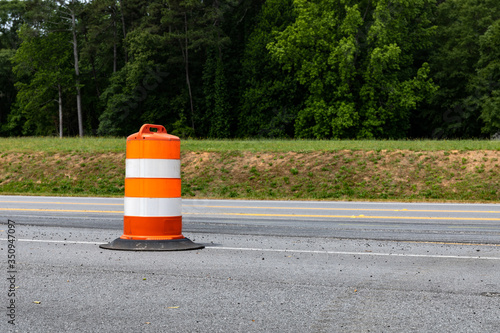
(152, 205)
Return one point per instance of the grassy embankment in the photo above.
(265, 169)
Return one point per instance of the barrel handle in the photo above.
(150, 128)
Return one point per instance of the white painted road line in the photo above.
(51, 241)
(379, 254)
(352, 253)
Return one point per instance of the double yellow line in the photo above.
(274, 214)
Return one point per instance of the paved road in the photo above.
(474, 223)
(267, 267)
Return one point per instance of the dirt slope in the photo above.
(338, 175)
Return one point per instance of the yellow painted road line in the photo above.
(64, 203)
(356, 209)
(397, 226)
(63, 210)
(268, 215)
(355, 216)
(279, 208)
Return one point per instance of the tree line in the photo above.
(325, 69)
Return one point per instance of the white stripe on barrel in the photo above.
(152, 168)
(152, 207)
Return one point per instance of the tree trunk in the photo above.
(94, 74)
(113, 16)
(186, 56)
(124, 31)
(59, 88)
(216, 24)
(77, 74)
(114, 47)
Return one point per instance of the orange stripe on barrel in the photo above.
(152, 228)
(154, 149)
(153, 187)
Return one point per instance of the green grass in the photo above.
(65, 145)
(332, 145)
(103, 145)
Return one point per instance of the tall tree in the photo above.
(61, 16)
(138, 92)
(69, 11)
(170, 41)
(11, 18)
(486, 83)
(43, 68)
(356, 60)
(124, 28)
(454, 111)
(270, 98)
(7, 89)
(217, 115)
(183, 19)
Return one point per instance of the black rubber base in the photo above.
(183, 244)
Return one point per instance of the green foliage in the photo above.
(11, 17)
(239, 68)
(181, 129)
(487, 80)
(12, 14)
(7, 89)
(459, 67)
(270, 96)
(356, 60)
(125, 97)
(217, 115)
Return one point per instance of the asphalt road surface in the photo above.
(268, 266)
